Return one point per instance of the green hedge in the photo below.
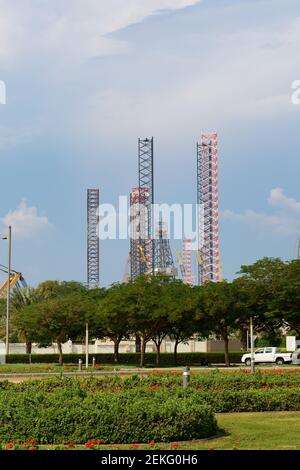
(230, 401)
(135, 409)
(74, 415)
(126, 359)
(212, 382)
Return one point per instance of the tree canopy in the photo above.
(156, 307)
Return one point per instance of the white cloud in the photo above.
(25, 221)
(74, 30)
(278, 199)
(285, 221)
(205, 78)
(244, 75)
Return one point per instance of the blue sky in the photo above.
(86, 78)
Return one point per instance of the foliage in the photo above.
(285, 305)
(212, 382)
(55, 319)
(59, 410)
(110, 319)
(157, 307)
(167, 359)
(220, 308)
(73, 415)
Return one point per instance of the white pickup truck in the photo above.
(268, 355)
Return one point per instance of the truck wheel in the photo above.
(279, 361)
(248, 362)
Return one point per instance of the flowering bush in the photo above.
(68, 410)
(75, 415)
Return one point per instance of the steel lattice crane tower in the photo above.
(164, 262)
(93, 258)
(142, 245)
(208, 203)
(146, 185)
(138, 221)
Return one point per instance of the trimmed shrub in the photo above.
(211, 382)
(252, 400)
(136, 409)
(73, 416)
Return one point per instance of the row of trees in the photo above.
(156, 307)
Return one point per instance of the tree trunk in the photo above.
(158, 345)
(28, 347)
(175, 352)
(226, 351)
(116, 351)
(61, 358)
(138, 344)
(143, 352)
(244, 338)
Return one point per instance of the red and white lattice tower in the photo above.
(187, 262)
(139, 259)
(208, 201)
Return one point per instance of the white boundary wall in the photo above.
(125, 347)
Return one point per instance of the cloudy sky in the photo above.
(86, 78)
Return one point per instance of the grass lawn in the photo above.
(43, 368)
(255, 431)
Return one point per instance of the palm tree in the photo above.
(20, 299)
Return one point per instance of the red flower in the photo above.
(32, 448)
(135, 446)
(70, 445)
(24, 444)
(10, 445)
(152, 444)
(155, 387)
(174, 446)
(89, 444)
(210, 448)
(97, 442)
(32, 442)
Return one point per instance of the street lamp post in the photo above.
(87, 345)
(252, 345)
(8, 291)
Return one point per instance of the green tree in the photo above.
(112, 319)
(53, 289)
(55, 319)
(220, 305)
(257, 287)
(147, 315)
(180, 304)
(284, 306)
(20, 299)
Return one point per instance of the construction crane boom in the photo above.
(16, 281)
